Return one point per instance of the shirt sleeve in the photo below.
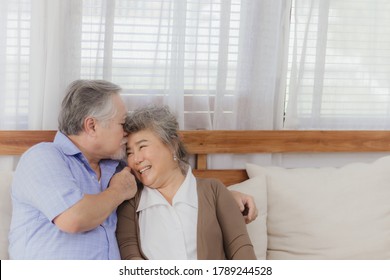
(236, 241)
(44, 181)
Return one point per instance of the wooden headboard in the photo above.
(205, 142)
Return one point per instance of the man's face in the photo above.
(113, 138)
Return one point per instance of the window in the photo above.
(14, 63)
(339, 64)
(337, 67)
(153, 47)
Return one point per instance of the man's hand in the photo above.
(124, 183)
(247, 205)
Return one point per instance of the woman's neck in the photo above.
(172, 185)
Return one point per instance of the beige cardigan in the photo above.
(221, 230)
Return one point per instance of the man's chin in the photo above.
(120, 155)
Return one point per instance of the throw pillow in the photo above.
(328, 213)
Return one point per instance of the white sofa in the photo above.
(5, 211)
(305, 213)
(321, 213)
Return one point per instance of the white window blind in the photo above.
(339, 64)
(14, 63)
(154, 48)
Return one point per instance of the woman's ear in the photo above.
(173, 148)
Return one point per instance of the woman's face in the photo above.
(150, 159)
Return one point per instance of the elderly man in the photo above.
(65, 193)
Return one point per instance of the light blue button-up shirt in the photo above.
(50, 178)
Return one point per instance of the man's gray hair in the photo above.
(163, 123)
(86, 98)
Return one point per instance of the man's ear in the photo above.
(90, 125)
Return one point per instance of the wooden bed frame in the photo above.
(201, 143)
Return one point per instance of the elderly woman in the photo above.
(175, 215)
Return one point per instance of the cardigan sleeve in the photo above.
(126, 232)
(237, 243)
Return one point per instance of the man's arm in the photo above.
(93, 209)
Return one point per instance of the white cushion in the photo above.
(328, 213)
(5, 211)
(257, 229)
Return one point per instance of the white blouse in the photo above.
(168, 232)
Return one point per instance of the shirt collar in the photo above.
(187, 193)
(70, 149)
(65, 144)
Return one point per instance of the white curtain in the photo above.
(261, 52)
(260, 73)
(54, 58)
(40, 55)
(339, 65)
(217, 63)
(208, 60)
(338, 72)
